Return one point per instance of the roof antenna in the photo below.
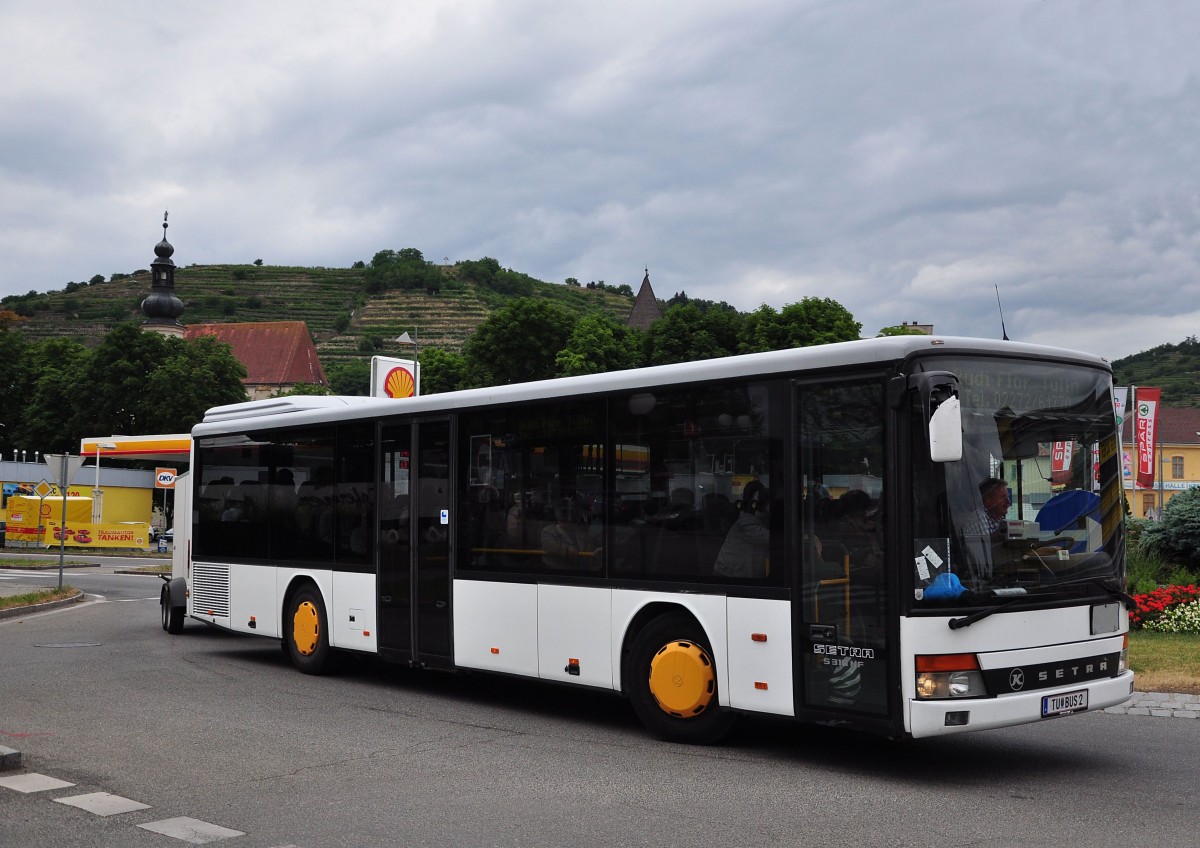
(1003, 331)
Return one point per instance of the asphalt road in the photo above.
(211, 730)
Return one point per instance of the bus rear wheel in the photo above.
(673, 682)
(306, 632)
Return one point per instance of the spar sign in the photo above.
(164, 478)
(1146, 420)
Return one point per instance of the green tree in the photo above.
(115, 382)
(600, 343)
(194, 376)
(685, 334)
(812, 321)
(445, 371)
(306, 389)
(46, 422)
(520, 341)
(17, 378)
(350, 377)
(405, 269)
(136, 383)
(901, 330)
(479, 271)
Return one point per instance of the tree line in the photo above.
(55, 392)
(532, 338)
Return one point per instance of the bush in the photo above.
(1177, 536)
(1145, 570)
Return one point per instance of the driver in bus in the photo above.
(989, 519)
(988, 523)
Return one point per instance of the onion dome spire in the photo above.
(162, 308)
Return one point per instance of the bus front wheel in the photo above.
(673, 682)
(172, 617)
(306, 632)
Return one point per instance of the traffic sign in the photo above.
(63, 467)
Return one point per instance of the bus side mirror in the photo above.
(945, 431)
(940, 408)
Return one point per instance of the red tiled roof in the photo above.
(274, 352)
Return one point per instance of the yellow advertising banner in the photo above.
(129, 535)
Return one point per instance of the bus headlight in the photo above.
(949, 676)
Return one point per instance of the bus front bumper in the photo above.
(937, 718)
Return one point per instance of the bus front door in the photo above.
(414, 560)
(842, 619)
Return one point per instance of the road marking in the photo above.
(191, 830)
(33, 782)
(102, 803)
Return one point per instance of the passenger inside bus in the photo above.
(744, 553)
(565, 543)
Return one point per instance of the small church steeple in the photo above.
(162, 308)
(645, 308)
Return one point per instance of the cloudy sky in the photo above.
(905, 159)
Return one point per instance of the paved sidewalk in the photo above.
(1160, 704)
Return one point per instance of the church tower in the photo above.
(645, 308)
(161, 307)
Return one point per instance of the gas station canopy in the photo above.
(173, 448)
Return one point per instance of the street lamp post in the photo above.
(97, 492)
(405, 339)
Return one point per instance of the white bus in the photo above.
(911, 536)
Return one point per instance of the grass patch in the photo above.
(150, 569)
(39, 562)
(41, 597)
(1165, 662)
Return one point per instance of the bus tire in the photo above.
(172, 617)
(306, 632)
(672, 682)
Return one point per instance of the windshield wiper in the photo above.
(1121, 596)
(980, 615)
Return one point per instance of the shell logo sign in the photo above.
(399, 383)
(395, 378)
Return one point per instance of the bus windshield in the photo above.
(1033, 509)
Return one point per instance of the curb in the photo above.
(30, 609)
(1160, 705)
(9, 759)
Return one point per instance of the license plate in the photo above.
(1068, 702)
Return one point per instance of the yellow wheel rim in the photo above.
(682, 679)
(306, 628)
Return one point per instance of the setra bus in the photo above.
(910, 536)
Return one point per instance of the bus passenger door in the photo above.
(842, 632)
(395, 542)
(431, 589)
(414, 546)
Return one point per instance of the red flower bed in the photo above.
(1153, 604)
